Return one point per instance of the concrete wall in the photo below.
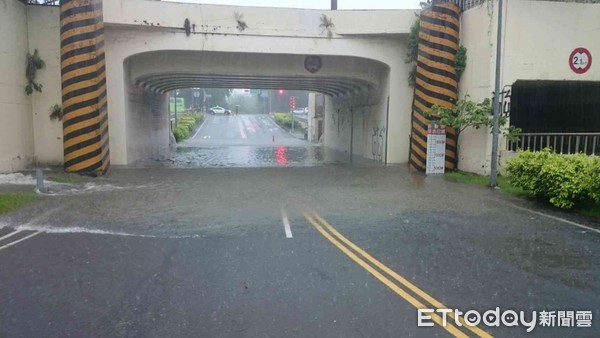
(27, 135)
(361, 57)
(44, 35)
(16, 127)
(537, 41)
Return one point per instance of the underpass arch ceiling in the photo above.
(330, 85)
(341, 76)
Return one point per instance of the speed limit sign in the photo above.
(580, 60)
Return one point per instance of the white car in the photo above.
(301, 111)
(217, 110)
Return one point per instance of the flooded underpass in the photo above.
(253, 141)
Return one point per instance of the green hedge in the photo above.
(186, 125)
(563, 180)
(285, 120)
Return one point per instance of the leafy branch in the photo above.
(467, 114)
(34, 62)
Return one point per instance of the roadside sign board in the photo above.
(436, 149)
(580, 60)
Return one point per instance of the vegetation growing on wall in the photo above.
(241, 24)
(412, 54)
(413, 50)
(326, 25)
(34, 62)
(56, 112)
(461, 61)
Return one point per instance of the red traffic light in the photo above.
(281, 91)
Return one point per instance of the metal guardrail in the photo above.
(563, 143)
(468, 4)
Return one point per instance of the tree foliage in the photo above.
(467, 114)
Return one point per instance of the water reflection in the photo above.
(253, 156)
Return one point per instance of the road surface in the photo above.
(327, 250)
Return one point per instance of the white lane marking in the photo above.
(10, 234)
(286, 223)
(202, 125)
(555, 218)
(242, 132)
(20, 240)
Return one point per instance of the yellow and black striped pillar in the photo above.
(436, 80)
(85, 119)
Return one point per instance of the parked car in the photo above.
(301, 111)
(228, 112)
(217, 110)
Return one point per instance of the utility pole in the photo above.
(496, 102)
(333, 5)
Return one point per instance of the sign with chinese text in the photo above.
(436, 149)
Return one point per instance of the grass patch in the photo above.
(64, 178)
(13, 201)
(470, 178)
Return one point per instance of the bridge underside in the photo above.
(332, 86)
(348, 82)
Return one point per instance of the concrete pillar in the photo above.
(436, 80)
(85, 120)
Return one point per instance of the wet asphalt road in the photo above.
(247, 141)
(158, 252)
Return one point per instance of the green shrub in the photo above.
(181, 133)
(285, 120)
(186, 125)
(563, 180)
(593, 179)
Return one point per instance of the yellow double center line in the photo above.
(369, 263)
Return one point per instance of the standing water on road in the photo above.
(248, 141)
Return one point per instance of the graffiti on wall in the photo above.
(377, 143)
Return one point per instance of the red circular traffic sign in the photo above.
(580, 60)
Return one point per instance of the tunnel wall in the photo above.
(349, 121)
(147, 121)
(436, 81)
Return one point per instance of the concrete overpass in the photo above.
(147, 52)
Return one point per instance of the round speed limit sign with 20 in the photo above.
(580, 60)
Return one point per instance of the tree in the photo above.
(467, 114)
(249, 104)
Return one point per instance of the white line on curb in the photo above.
(555, 218)
(202, 125)
(286, 223)
(20, 240)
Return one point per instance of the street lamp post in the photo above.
(176, 93)
(496, 103)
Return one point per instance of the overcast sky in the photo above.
(317, 4)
